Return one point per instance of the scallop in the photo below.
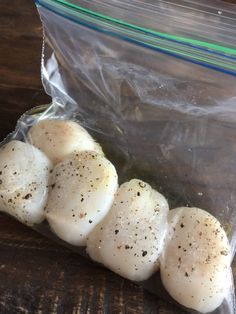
(82, 191)
(59, 138)
(195, 264)
(130, 238)
(24, 177)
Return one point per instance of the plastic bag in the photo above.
(154, 83)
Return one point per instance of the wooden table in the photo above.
(37, 275)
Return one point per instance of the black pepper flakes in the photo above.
(142, 184)
(144, 253)
(225, 253)
(27, 196)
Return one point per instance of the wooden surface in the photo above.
(37, 275)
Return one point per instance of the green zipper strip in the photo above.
(206, 45)
(163, 43)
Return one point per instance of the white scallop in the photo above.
(130, 238)
(82, 192)
(195, 264)
(59, 138)
(24, 176)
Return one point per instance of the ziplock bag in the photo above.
(154, 83)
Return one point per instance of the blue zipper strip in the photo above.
(136, 42)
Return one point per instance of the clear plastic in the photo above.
(159, 117)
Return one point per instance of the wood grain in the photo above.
(36, 274)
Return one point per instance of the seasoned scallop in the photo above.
(24, 177)
(81, 194)
(130, 238)
(59, 138)
(195, 264)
